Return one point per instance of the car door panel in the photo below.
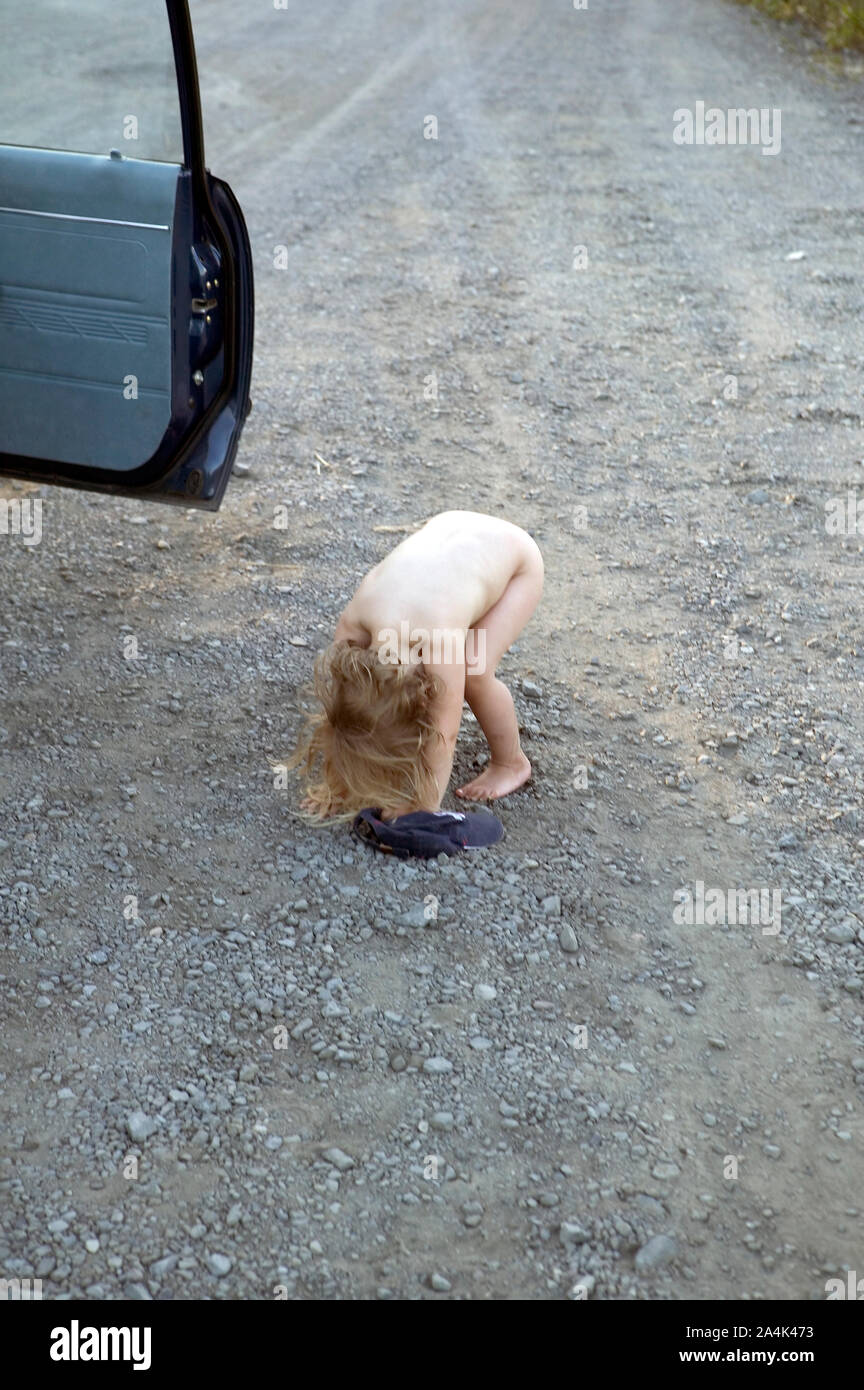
(85, 288)
(126, 291)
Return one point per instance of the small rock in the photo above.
(219, 1265)
(137, 1293)
(472, 1213)
(572, 1234)
(442, 1119)
(140, 1126)
(664, 1170)
(650, 1206)
(657, 1252)
(416, 916)
(437, 1066)
(339, 1159)
(568, 940)
(439, 1283)
(843, 933)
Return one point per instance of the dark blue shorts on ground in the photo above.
(425, 834)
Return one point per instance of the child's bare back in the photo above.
(424, 632)
(446, 575)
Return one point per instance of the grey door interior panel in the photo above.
(87, 185)
(85, 306)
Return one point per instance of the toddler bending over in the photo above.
(424, 632)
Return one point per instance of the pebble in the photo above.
(140, 1126)
(657, 1251)
(416, 916)
(650, 1206)
(220, 1265)
(485, 993)
(442, 1119)
(339, 1159)
(439, 1283)
(842, 933)
(437, 1066)
(568, 940)
(472, 1213)
(572, 1234)
(664, 1170)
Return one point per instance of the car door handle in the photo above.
(203, 306)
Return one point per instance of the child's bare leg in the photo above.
(508, 767)
(489, 698)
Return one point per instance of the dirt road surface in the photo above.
(244, 1058)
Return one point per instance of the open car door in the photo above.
(126, 298)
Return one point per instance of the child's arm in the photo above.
(448, 717)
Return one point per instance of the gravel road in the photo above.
(245, 1058)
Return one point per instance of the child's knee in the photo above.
(479, 676)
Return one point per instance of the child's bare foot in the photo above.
(498, 779)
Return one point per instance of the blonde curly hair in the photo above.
(368, 744)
